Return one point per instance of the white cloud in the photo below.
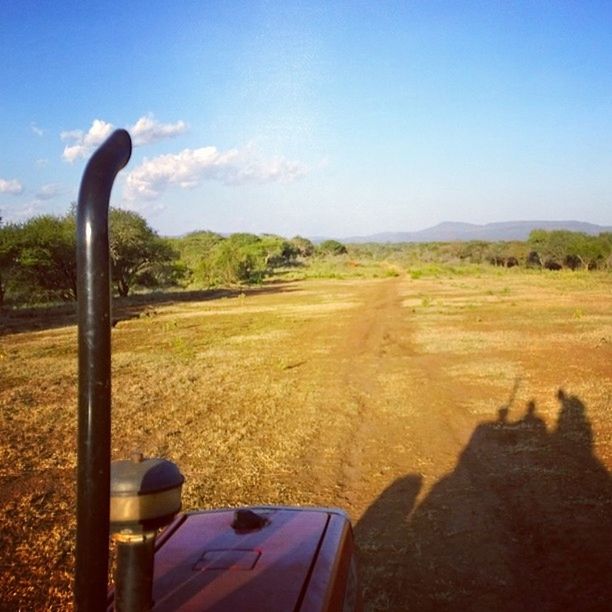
(84, 143)
(38, 131)
(146, 130)
(191, 166)
(12, 186)
(36, 206)
(73, 134)
(24, 212)
(49, 191)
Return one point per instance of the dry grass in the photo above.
(307, 394)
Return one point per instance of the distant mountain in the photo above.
(451, 231)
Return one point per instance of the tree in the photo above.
(538, 243)
(137, 252)
(332, 247)
(8, 256)
(586, 251)
(473, 250)
(558, 247)
(604, 241)
(303, 246)
(276, 251)
(507, 253)
(195, 251)
(44, 249)
(234, 261)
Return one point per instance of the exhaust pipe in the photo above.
(310, 550)
(94, 324)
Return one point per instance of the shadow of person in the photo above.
(573, 433)
(384, 527)
(523, 522)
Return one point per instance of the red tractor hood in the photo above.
(297, 559)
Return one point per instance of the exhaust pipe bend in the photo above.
(94, 311)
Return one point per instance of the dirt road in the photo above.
(463, 423)
(455, 511)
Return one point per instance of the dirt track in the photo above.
(456, 512)
(380, 397)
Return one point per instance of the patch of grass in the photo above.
(437, 270)
(342, 268)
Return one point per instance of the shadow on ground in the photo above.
(524, 522)
(124, 308)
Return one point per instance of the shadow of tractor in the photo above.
(524, 522)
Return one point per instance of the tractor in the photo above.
(264, 558)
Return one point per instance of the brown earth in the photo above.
(463, 423)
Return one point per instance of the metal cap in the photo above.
(140, 476)
(145, 493)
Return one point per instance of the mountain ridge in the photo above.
(450, 231)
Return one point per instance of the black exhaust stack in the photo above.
(94, 311)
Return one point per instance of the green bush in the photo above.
(331, 247)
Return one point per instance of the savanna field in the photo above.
(360, 258)
(462, 418)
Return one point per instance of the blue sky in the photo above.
(317, 118)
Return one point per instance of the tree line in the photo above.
(552, 250)
(38, 257)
